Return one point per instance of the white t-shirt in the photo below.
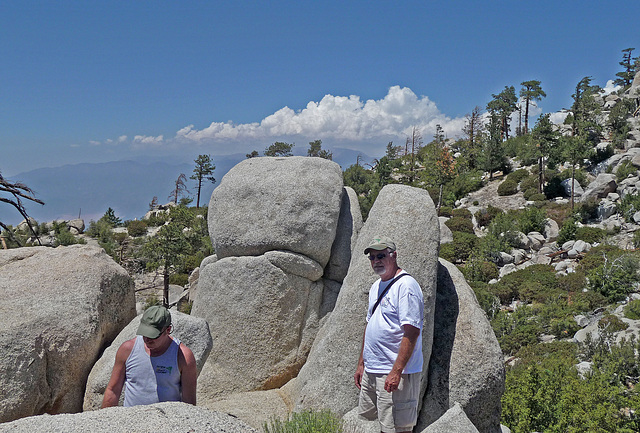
(402, 305)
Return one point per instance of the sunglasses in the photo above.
(378, 256)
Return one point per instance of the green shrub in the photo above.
(624, 170)
(572, 283)
(459, 224)
(530, 182)
(538, 197)
(612, 323)
(179, 279)
(462, 213)
(476, 202)
(507, 187)
(587, 301)
(590, 234)
(615, 277)
(588, 210)
(308, 421)
(151, 301)
(516, 330)
(564, 328)
(518, 175)
(632, 310)
(629, 205)
(529, 193)
(485, 216)
(488, 302)
(530, 219)
(554, 188)
(477, 269)
(459, 250)
(445, 211)
(636, 239)
(567, 231)
(538, 282)
(136, 228)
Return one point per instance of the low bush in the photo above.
(624, 170)
(477, 269)
(308, 421)
(488, 302)
(567, 231)
(485, 216)
(564, 328)
(459, 224)
(588, 210)
(538, 282)
(179, 279)
(460, 249)
(615, 277)
(612, 323)
(632, 310)
(518, 175)
(529, 193)
(530, 182)
(554, 188)
(590, 234)
(507, 187)
(445, 211)
(538, 197)
(516, 330)
(530, 219)
(462, 213)
(136, 228)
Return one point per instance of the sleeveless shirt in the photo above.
(152, 379)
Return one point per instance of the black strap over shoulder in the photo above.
(385, 291)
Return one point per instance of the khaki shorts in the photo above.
(396, 411)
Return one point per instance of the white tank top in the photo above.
(152, 379)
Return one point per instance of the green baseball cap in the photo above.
(154, 320)
(380, 243)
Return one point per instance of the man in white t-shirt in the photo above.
(390, 365)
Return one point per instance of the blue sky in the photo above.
(97, 81)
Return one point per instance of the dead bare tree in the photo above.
(18, 190)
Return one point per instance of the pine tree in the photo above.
(531, 91)
(203, 171)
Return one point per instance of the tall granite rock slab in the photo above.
(60, 308)
(265, 204)
(192, 331)
(349, 225)
(408, 216)
(262, 321)
(168, 417)
(466, 363)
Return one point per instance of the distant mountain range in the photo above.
(87, 190)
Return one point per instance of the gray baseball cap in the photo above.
(380, 243)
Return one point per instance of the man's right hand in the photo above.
(358, 375)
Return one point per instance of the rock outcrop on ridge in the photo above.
(281, 228)
(61, 307)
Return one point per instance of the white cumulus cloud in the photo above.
(344, 118)
(146, 139)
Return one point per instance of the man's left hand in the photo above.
(392, 382)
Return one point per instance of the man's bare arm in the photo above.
(408, 342)
(114, 387)
(188, 374)
(360, 368)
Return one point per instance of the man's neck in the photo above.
(393, 273)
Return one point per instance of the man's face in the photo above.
(381, 261)
(154, 343)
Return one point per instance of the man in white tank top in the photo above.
(154, 366)
(390, 366)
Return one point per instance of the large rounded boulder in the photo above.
(265, 204)
(60, 308)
